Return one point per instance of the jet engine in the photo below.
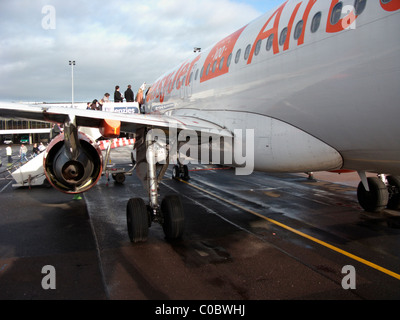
(73, 171)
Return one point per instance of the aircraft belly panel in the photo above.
(278, 146)
(290, 149)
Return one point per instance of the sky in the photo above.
(115, 42)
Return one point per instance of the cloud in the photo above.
(112, 42)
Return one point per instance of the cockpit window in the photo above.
(214, 66)
(221, 63)
(208, 69)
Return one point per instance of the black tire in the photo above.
(394, 199)
(376, 199)
(175, 172)
(173, 214)
(137, 220)
(119, 178)
(185, 173)
(46, 183)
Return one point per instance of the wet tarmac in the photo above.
(258, 237)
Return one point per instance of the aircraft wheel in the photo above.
(175, 172)
(119, 178)
(172, 211)
(394, 199)
(185, 175)
(376, 199)
(137, 220)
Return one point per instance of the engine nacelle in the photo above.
(73, 175)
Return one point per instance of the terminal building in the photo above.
(22, 131)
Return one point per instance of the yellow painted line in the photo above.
(302, 234)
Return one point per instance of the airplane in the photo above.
(311, 85)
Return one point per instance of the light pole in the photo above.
(72, 63)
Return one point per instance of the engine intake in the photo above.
(73, 175)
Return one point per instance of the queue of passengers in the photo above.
(118, 97)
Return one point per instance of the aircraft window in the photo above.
(316, 21)
(359, 6)
(238, 55)
(214, 66)
(298, 30)
(228, 62)
(385, 1)
(221, 63)
(201, 73)
(196, 75)
(208, 69)
(282, 37)
(247, 52)
(269, 42)
(191, 77)
(183, 81)
(258, 47)
(336, 13)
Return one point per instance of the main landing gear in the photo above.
(180, 172)
(377, 193)
(140, 217)
(170, 213)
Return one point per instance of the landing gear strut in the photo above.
(139, 215)
(377, 193)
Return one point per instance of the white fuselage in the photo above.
(319, 100)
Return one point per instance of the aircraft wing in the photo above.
(94, 118)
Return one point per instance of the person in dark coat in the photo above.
(117, 95)
(129, 94)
